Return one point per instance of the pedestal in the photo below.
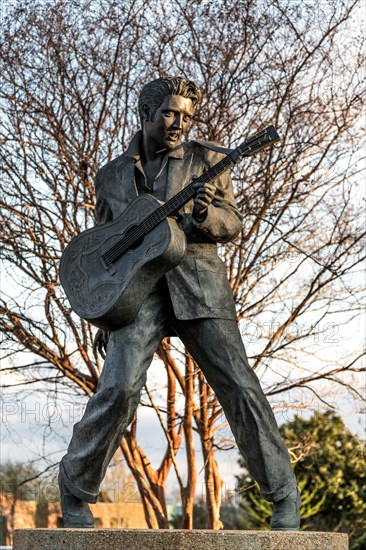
(177, 539)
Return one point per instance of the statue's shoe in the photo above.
(75, 512)
(286, 513)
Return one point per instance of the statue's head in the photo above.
(153, 94)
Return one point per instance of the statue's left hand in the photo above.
(202, 200)
(101, 342)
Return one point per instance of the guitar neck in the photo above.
(246, 149)
(261, 140)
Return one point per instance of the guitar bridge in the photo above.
(108, 266)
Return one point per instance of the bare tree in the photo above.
(71, 75)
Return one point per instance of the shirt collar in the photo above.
(134, 148)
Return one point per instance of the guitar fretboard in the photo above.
(247, 148)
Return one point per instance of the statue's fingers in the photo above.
(103, 351)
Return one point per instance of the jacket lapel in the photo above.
(128, 183)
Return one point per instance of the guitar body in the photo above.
(111, 297)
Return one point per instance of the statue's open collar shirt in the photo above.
(159, 186)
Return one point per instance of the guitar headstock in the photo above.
(259, 141)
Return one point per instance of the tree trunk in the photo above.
(189, 491)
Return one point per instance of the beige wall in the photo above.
(120, 515)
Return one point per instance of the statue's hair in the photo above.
(153, 94)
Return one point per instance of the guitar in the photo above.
(108, 271)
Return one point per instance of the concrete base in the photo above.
(177, 539)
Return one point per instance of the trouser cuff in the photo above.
(72, 486)
(281, 493)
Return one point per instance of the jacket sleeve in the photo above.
(224, 220)
(103, 212)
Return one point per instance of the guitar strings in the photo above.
(162, 212)
(176, 202)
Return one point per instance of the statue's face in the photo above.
(170, 122)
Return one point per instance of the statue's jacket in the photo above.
(198, 286)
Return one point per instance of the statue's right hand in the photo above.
(101, 342)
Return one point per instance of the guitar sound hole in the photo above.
(129, 235)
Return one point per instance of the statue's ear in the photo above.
(146, 112)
